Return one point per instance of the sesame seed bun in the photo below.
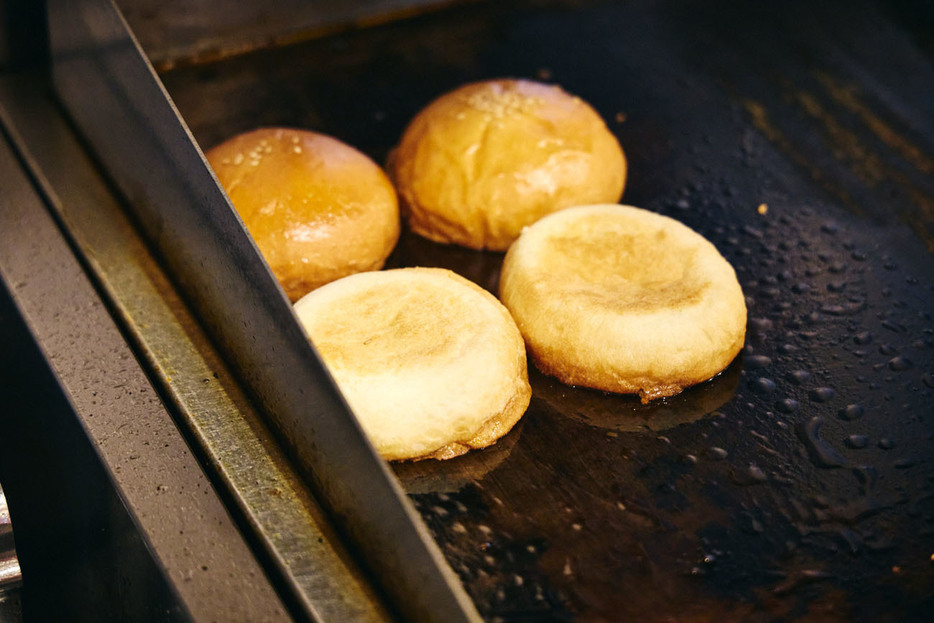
(483, 161)
(317, 208)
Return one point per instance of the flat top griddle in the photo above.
(799, 139)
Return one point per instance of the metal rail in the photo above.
(119, 105)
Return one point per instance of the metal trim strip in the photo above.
(122, 109)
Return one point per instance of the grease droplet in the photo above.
(857, 442)
(717, 454)
(886, 443)
(787, 405)
(800, 376)
(756, 473)
(852, 412)
(757, 361)
(821, 452)
(899, 364)
(822, 394)
(763, 385)
(894, 327)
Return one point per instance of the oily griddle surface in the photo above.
(799, 139)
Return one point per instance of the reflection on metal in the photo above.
(173, 33)
(194, 379)
(145, 516)
(11, 577)
(119, 104)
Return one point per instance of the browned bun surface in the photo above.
(317, 208)
(483, 161)
(623, 300)
(431, 364)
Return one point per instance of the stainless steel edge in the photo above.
(119, 105)
(211, 572)
(287, 522)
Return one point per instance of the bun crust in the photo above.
(431, 364)
(623, 300)
(317, 208)
(483, 161)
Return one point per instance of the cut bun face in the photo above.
(623, 300)
(317, 208)
(487, 159)
(431, 364)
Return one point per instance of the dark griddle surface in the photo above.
(798, 485)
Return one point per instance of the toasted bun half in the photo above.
(317, 208)
(623, 300)
(431, 364)
(483, 161)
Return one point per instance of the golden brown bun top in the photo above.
(317, 208)
(483, 161)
